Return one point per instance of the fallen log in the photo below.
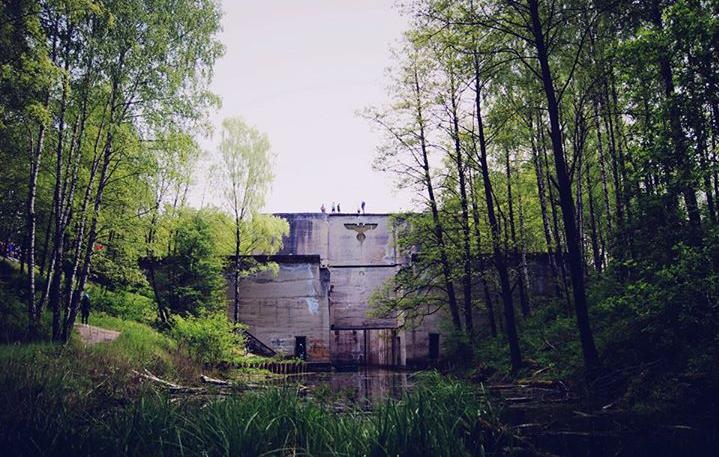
(176, 388)
(214, 381)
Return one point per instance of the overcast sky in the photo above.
(300, 70)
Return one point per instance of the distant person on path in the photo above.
(334, 208)
(362, 206)
(85, 308)
(338, 208)
(323, 209)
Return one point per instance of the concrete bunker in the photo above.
(315, 304)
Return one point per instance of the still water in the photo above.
(364, 388)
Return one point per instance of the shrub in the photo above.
(209, 338)
(123, 304)
(191, 281)
(13, 304)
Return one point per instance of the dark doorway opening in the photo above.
(434, 346)
(301, 347)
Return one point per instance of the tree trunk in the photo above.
(29, 251)
(524, 305)
(438, 232)
(76, 295)
(561, 259)
(602, 168)
(543, 207)
(236, 301)
(523, 269)
(59, 238)
(77, 248)
(467, 260)
(92, 235)
(596, 250)
(589, 351)
(499, 261)
(480, 259)
(681, 166)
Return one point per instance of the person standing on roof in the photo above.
(362, 206)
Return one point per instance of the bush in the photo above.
(547, 339)
(13, 304)
(123, 304)
(191, 280)
(209, 338)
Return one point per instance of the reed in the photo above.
(438, 418)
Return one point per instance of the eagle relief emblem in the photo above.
(361, 228)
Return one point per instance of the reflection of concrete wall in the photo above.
(280, 307)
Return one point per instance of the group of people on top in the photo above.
(336, 208)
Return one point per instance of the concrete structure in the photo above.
(315, 305)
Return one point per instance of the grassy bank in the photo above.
(86, 401)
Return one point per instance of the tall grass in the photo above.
(85, 400)
(448, 419)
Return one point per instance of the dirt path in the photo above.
(90, 334)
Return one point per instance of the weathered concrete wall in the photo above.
(308, 235)
(378, 347)
(417, 336)
(350, 292)
(539, 273)
(360, 252)
(291, 303)
(366, 239)
(360, 255)
(341, 239)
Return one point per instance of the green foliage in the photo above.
(191, 280)
(674, 306)
(13, 307)
(116, 271)
(417, 290)
(246, 168)
(209, 338)
(50, 390)
(548, 341)
(123, 304)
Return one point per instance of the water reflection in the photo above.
(365, 387)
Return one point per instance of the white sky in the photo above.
(300, 70)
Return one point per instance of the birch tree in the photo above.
(246, 171)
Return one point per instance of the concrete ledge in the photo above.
(280, 258)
